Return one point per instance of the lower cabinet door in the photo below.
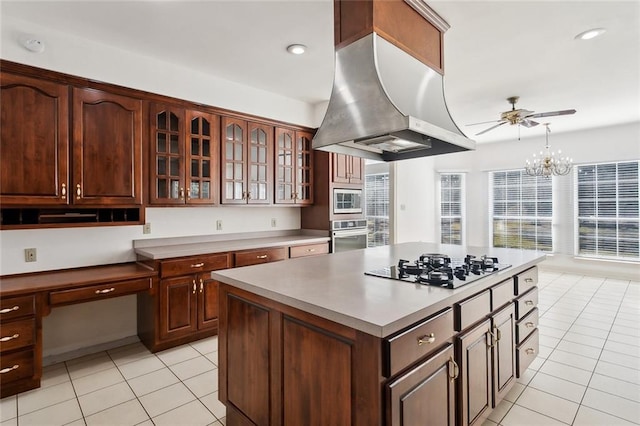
(425, 395)
(207, 302)
(178, 307)
(504, 364)
(475, 390)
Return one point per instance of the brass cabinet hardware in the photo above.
(198, 265)
(528, 324)
(311, 250)
(427, 338)
(7, 310)
(248, 195)
(498, 333)
(8, 369)
(78, 192)
(105, 291)
(262, 256)
(6, 339)
(530, 351)
(194, 286)
(453, 366)
(201, 285)
(182, 193)
(528, 302)
(188, 193)
(528, 280)
(64, 190)
(492, 338)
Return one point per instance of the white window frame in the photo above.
(371, 226)
(615, 220)
(460, 216)
(520, 217)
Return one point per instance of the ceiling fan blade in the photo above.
(483, 122)
(553, 113)
(529, 123)
(491, 128)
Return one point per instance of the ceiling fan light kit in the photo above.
(548, 163)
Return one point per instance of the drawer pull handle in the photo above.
(64, 191)
(528, 280)
(427, 338)
(194, 286)
(7, 310)
(78, 191)
(262, 256)
(6, 339)
(201, 285)
(8, 369)
(528, 324)
(311, 250)
(456, 370)
(492, 338)
(198, 265)
(530, 351)
(528, 302)
(105, 291)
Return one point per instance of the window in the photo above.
(522, 210)
(377, 208)
(451, 191)
(607, 197)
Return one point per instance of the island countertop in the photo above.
(335, 287)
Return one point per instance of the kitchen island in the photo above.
(316, 341)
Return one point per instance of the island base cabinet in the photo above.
(281, 366)
(425, 395)
(474, 387)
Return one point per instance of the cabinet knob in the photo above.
(78, 192)
(8, 369)
(105, 291)
(7, 310)
(63, 191)
(427, 338)
(6, 339)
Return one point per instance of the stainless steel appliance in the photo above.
(441, 270)
(347, 201)
(348, 235)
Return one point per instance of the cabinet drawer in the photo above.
(412, 344)
(526, 303)
(472, 310)
(501, 294)
(526, 325)
(526, 280)
(255, 257)
(17, 334)
(192, 265)
(16, 307)
(16, 366)
(308, 250)
(526, 352)
(97, 292)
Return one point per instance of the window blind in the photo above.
(522, 210)
(377, 208)
(451, 199)
(607, 206)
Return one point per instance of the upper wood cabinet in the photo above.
(184, 152)
(107, 148)
(347, 169)
(294, 166)
(34, 141)
(246, 162)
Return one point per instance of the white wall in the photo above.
(596, 145)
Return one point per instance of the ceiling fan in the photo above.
(520, 116)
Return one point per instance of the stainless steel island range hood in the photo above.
(386, 105)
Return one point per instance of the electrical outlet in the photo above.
(146, 228)
(219, 225)
(273, 222)
(30, 255)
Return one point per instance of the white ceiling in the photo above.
(494, 49)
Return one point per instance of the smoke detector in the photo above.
(32, 43)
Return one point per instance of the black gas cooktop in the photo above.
(441, 270)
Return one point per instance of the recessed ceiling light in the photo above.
(589, 34)
(296, 49)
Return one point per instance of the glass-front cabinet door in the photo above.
(285, 167)
(167, 155)
(234, 142)
(304, 168)
(259, 164)
(202, 158)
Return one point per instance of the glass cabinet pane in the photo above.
(162, 120)
(206, 169)
(174, 166)
(195, 126)
(195, 190)
(175, 145)
(206, 148)
(161, 168)
(195, 146)
(206, 127)
(195, 168)
(161, 145)
(161, 188)
(206, 193)
(229, 171)
(173, 124)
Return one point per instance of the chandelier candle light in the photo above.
(548, 163)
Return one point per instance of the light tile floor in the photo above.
(587, 372)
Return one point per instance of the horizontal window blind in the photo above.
(377, 208)
(607, 207)
(522, 210)
(451, 202)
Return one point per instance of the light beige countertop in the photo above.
(165, 248)
(335, 287)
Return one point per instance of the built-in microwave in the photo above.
(347, 201)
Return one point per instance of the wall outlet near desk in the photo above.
(273, 222)
(219, 225)
(30, 255)
(146, 228)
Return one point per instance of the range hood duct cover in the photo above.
(386, 105)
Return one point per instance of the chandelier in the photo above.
(548, 163)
